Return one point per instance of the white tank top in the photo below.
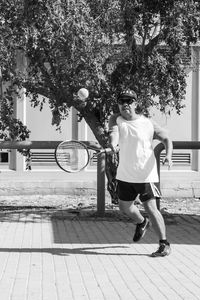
(137, 162)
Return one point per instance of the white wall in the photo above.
(39, 123)
(179, 126)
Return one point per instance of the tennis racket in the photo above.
(73, 156)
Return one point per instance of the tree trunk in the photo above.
(111, 169)
(111, 160)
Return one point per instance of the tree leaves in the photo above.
(104, 46)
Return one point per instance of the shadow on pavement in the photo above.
(85, 227)
(80, 250)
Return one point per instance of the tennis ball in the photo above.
(83, 94)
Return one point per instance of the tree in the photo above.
(101, 45)
(159, 35)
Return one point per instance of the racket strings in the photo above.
(72, 156)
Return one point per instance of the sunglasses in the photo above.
(125, 100)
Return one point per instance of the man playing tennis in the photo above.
(137, 169)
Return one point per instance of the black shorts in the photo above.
(129, 191)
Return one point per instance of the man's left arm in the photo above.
(162, 135)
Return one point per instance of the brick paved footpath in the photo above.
(54, 255)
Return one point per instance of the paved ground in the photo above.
(53, 250)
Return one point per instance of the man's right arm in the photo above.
(113, 132)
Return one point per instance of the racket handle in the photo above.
(109, 150)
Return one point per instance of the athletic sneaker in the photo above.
(141, 230)
(163, 250)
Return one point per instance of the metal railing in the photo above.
(20, 145)
(28, 145)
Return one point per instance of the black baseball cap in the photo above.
(127, 94)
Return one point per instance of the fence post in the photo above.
(101, 161)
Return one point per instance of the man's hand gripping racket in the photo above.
(73, 156)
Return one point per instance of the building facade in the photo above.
(184, 127)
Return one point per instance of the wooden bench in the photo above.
(46, 158)
(180, 159)
(39, 158)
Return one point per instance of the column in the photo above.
(17, 160)
(79, 129)
(74, 124)
(195, 105)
